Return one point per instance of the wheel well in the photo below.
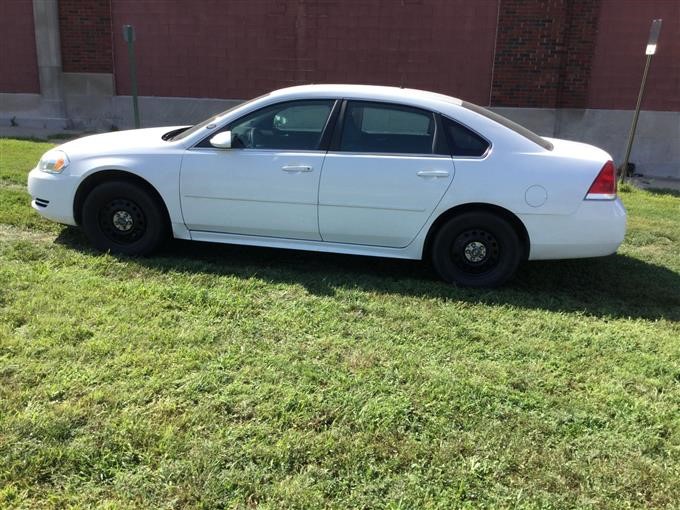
(510, 217)
(97, 178)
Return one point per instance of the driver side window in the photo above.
(294, 125)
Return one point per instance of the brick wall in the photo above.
(541, 53)
(544, 52)
(580, 35)
(242, 48)
(585, 54)
(18, 64)
(86, 38)
(619, 56)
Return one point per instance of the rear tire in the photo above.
(476, 249)
(121, 217)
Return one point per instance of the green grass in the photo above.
(216, 377)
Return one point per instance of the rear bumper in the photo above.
(596, 229)
(52, 195)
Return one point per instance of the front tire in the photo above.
(121, 217)
(476, 249)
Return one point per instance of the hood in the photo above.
(118, 142)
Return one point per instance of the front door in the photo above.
(267, 183)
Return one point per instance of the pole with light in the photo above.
(654, 32)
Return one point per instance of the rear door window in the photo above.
(387, 128)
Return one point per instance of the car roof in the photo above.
(452, 107)
(377, 92)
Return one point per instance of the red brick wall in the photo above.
(18, 64)
(544, 52)
(581, 22)
(619, 58)
(85, 31)
(242, 48)
(549, 53)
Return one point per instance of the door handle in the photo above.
(296, 168)
(432, 173)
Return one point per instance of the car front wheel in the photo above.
(121, 217)
(476, 249)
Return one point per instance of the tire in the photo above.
(123, 218)
(476, 249)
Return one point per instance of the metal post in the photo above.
(633, 127)
(129, 36)
(651, 49)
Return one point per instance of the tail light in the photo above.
(604, 185)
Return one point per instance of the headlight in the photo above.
(53, 162)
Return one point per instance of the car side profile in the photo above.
(353, 169)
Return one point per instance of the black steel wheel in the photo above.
(122, 217)
(476, 249)
(122, 221)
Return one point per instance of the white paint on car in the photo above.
(335, 200)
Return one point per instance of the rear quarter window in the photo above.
(464, 142)
(503, 121)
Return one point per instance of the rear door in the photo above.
(383, 176)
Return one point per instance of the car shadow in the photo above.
(617, 286)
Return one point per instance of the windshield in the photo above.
(520, 130)
(193, 129)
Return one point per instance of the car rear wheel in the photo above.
(476, 249)
(121, 217)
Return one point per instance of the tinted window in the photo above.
(462, 141)
(309, 118)
(294, 125)
(376, 127)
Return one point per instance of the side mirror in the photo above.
(221, 140)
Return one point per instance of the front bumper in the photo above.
(52, 195)
(596, 229)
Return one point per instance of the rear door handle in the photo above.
(433, 173)
(296, 168)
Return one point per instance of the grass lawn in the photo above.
(219, 376)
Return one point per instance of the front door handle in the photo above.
(433, 173)
(296, 168)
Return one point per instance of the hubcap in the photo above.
(475, 251)
(122, 220)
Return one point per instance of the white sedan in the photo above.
(361, 170)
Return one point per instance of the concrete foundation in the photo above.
(90, 105)
(167, 111)
(656, 149)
